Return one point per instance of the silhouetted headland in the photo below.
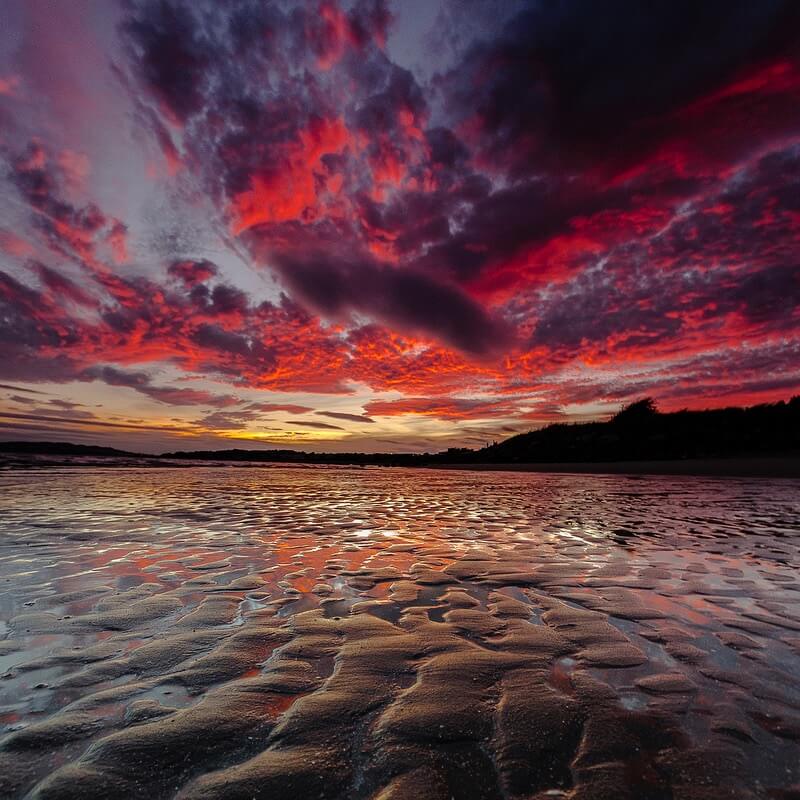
(762, 439)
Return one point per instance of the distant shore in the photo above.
(741, 467)
(745, 467)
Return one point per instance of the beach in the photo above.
(331, 632)
(745, 467)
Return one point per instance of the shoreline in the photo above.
(743, 467)
(787, 467)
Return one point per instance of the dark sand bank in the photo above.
(390, 634)
(768, 467)
(784, 466)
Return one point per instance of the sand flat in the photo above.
(387, 633)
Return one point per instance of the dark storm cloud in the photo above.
(227, 300)
(587, 80)
(412, 300)
(399, 90)
(172, 54)
(770, 295)
(220, 301)
(217, 338)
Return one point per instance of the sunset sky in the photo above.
(392, 226)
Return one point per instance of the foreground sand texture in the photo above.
(384, 634)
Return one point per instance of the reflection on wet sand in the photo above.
(345, 633)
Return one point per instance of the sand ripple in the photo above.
(343, 633)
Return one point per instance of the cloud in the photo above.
(409, 299)
(171, 395)
(172, 55)
(65, 404)
(279, 167)
(289, 408)
(347, 417)
(215, 337)
(191, 273)
(551, 86)
(449, 408)
(59, 285)
(227, 420)
(14, 245)
(85, 421)
(20, 389)
(567, 205)
(319, 425)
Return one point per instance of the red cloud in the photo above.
(534, 218)
(290, 191)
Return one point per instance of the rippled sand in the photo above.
(344, 633)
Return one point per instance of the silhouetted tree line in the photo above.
(637, 432)
(640, 432)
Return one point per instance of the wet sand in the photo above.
(386, 633)
(750, 467)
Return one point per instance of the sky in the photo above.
(392, 225)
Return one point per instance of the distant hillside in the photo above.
(640, 432)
